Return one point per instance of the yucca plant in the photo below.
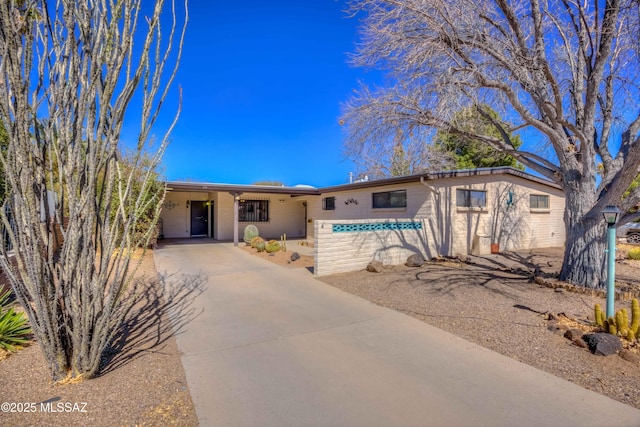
(14, 327)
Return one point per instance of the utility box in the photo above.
(481, 244)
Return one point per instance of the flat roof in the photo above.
(505, 170)
(300, 190)
(307, 190)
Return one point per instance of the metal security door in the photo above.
(199, 218)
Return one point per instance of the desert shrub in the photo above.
(634, 253)
(250, 231)
(14, 327)
(260, 246)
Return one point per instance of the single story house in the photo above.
(444, 213)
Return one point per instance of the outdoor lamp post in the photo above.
(611, 214)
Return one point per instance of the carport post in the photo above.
(236, 203)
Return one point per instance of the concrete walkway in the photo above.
(273, 347)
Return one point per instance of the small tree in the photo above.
(401, 151)
(470, 153)
(70, 71)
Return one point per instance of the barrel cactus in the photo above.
(272, 247)
(255, 241)
(250, 231)
(260, 246)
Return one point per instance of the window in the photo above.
(253, 211)
(471, 198)
(538, 201)
(329, 204)
(390, 199)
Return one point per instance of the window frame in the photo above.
(326, 206)
(468, 199)
(253, 210)
(539, 197)
(389, 204)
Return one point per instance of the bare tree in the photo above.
(70, 70)
(383, 156)
(566, 70)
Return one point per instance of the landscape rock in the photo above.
(630, 356)
(580, 343)
(574, 334)
(557, 328)
(375, 266)
(415, 260)
(295, 256)
(603, 344)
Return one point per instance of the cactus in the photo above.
(255, 241)
(260, 246)
(631, 336)
(612, 326)
(598, 315)
(250, 231)
(620, 324)
(272, 246)
(635, 316)
(283, 242)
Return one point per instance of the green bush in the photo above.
(634, 253)
(14, 328)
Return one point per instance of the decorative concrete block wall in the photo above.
(349, 245)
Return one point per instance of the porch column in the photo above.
(236, 203)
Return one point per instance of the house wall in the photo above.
(356, 204)
(507, 218)
(447, 229)
(176, 215)
(286, 215)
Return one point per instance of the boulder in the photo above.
(295, 256)
(603, 344)
(375, 266)
(415, 260)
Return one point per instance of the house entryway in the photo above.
(199, 218)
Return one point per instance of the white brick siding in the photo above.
(506, 219)
(337, 252)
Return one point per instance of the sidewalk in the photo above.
(274, 347)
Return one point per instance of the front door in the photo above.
(199, 218)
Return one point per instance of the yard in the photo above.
(490, 300)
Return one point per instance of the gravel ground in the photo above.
(143, 385)
(484, 302)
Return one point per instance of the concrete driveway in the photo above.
(273, 347)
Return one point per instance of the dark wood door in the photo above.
(199, 218)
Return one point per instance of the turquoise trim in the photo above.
(376, 226)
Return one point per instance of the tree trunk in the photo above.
(584, 254)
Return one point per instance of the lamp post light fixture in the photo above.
(611, 214)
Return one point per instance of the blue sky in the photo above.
(262, 83)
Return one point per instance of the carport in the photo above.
(220, 211)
